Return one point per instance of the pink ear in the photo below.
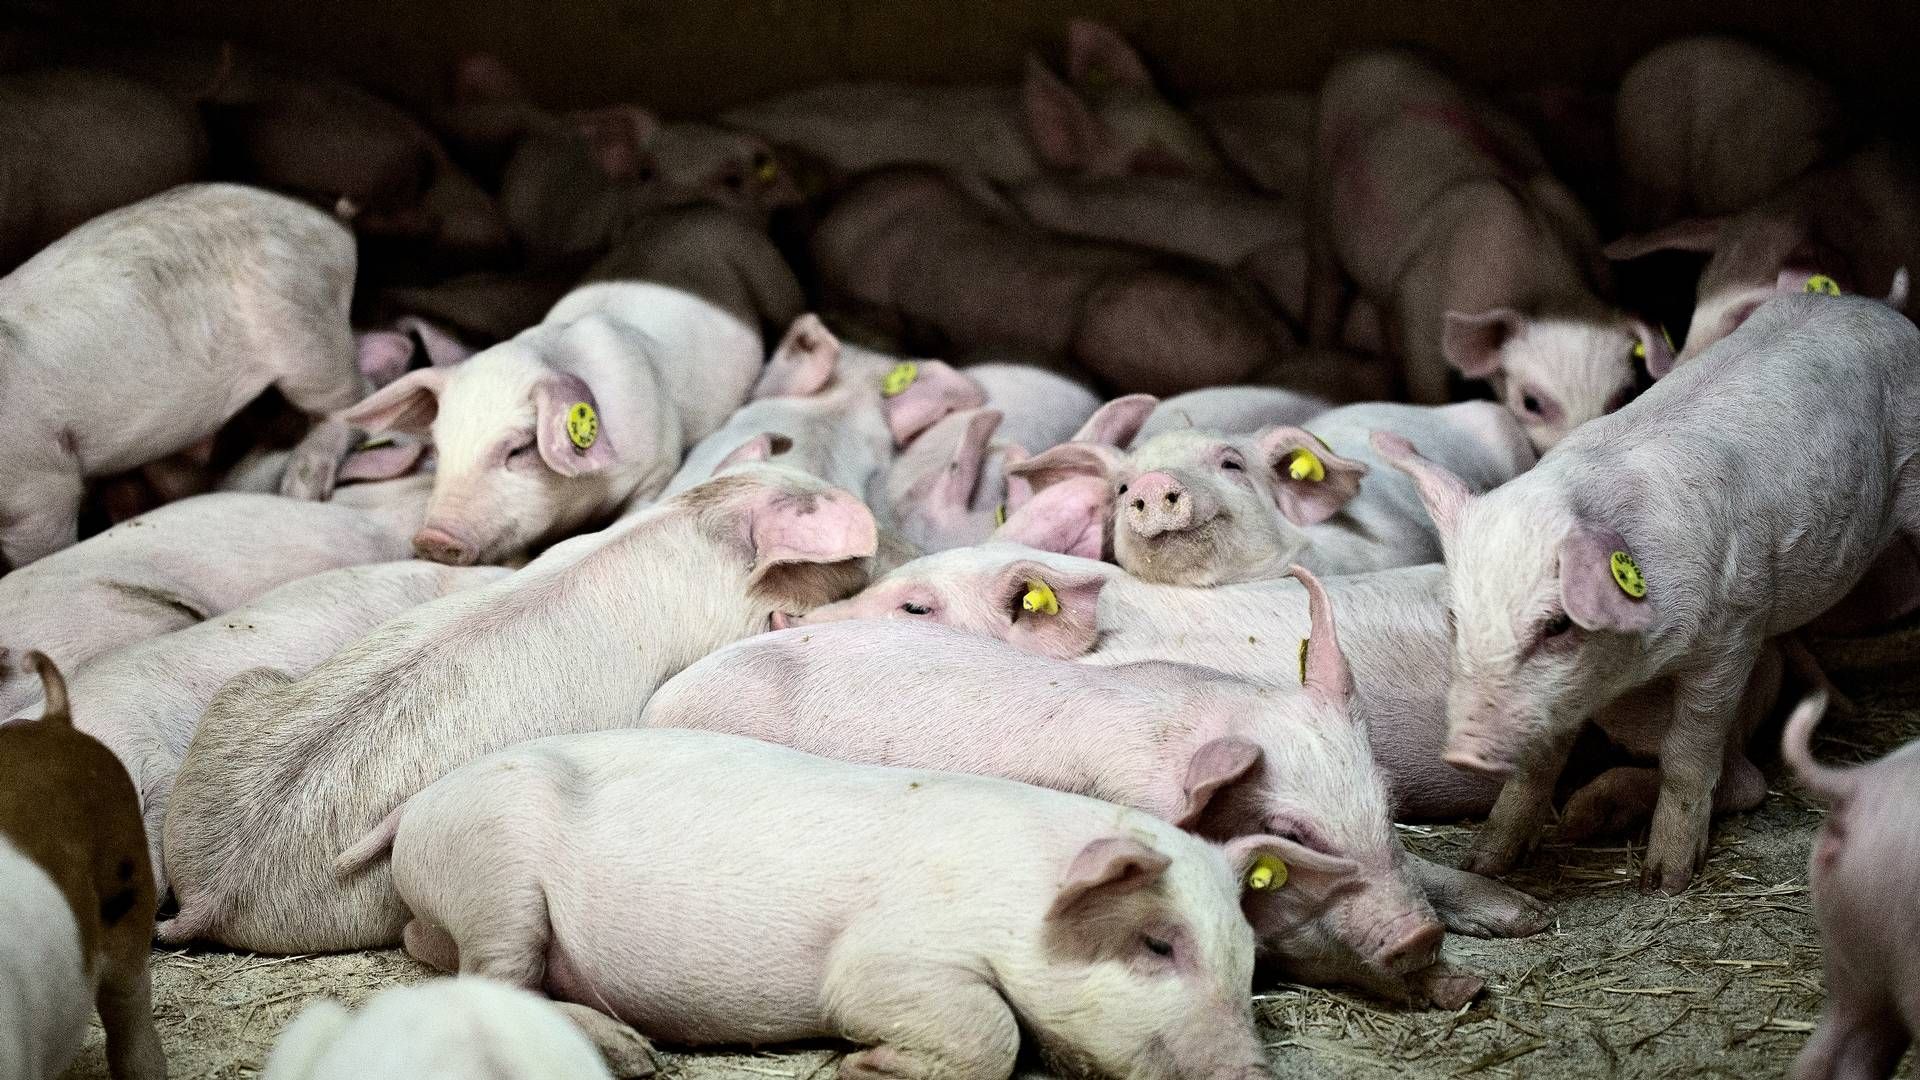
(407, 404)
(1213, 768)
(1097, 58)
(617, 137)
(1066, 461)
(1593, 596)
(1105, 869)
(1019, 488)
(382, 355)
(1313, 881)
(1445, 495)
(954, 485)
(812, 527)
(442, 348)
(1659, 353)
(1118, 421)
(1064, 132)
(1694, 234)
(1472, 343)
(1329, 680)
(759, 448)
(1308, 501)
(1069, 518)
(936, 391)
(381, 462)
(561, 425)
(803, 363)
(1065, 634)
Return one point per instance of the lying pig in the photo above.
(1852, 227)
(1037, 407)
(1441, 209)
(1864, 851)
(190, 303)
(1191, 507)
(1110, 122)
(1138, 320)
(77, 894)
(79, 143)
(284, 773)
(145, 700)
(186, 562)
(950, 487)
(445, 1027)
(1117, 942)
(1714, 125)
(561, 426)
(1660, 546)
(1192, 746)
(1230, 410)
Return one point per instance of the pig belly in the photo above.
(45, 996)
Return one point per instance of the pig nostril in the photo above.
(1173, 498)
(1139, 504)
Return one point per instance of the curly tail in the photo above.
(54, 687)
(1830, 784)
(370, 848)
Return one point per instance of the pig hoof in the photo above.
(1519, 916)
(1660, 880)
(627, 1053)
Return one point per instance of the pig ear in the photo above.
(1117, 422)
(759, 448)
(1104, 871)
(407, 404)
(1694, 234)
(567, 425)
(1445, 496)
(1659, 353)
(442, 348)
(382, 355)
(1292, 884)
(786, 529)
(381, 462)
(1216, 766)
(1472, 343)
(1064, 131)
(953, 485)
(1598, 580)
(1327, 677)
(1068, 518)
(1056, 613)
(617, 137)
(1311, 483)
(803, 363)
(1098, 58)
(935, 391)
(1019, 488)
(1067, 461)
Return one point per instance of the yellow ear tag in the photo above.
(1303, 661)
(1639, 350)
(767, 171)
(899, 378)
(1267, 873)
(1000, 515)
(377, 442)
(1306, 465)
(1040, 599)
(1626, 574)
(583, 425)
(1821, 283)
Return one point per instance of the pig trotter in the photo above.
(1477, 906)
(627, 1053)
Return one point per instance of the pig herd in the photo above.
(599, 622)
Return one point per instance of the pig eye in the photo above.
(912, 608)
(521, 452)
(1156, 946)
(1531, 404)
(1560, 624)
(1232, 463)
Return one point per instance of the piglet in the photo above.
(1117, 942)
(1038, 408)
(444, 1027)
(141, 332)
(1860, 860)
(77, 898)
(1229, 410)
(560, 427)
(1738, 499)
(950, 487)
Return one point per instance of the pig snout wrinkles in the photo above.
(1157, 502)
(438, 544)
(1408, 943)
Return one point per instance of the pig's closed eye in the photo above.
(1531, 404)
(522, 452)
(1557, 626)
(912, 608)
(1156, 946)
(1232, 463)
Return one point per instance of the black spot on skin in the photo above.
(115, 907)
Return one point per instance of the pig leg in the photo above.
(430, 945)
(1853, 1042)
(1621, 800)
(314, 465)
(320, 373)
(1692, 758)
(1476, 906)
(39, 516)
(626, 1051)
(126, 1012)
(920, 1021)
(1526, 800)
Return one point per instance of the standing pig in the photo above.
(186, 562)
(1113, 941)
(141, 332)
(1742, 496)
(563, 425)
(1196, 508)
(77, 897)
(1861, 873)
(1714, 125)
(1189, 745)
(284, 773)
(1442, 211)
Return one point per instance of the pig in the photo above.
(441, 1028)
(1117, 943)
(1852, 227)
(1864, 851)
(560, 427)
(79, 143)
(1442, 211)
(1190, 507)
(190, 303)
(284, 773)
(186, 562)
(949, 487)
(1714, 125)
(1230, 410)
(1267, 137)
(1111, 121)
(712, 254)
(77, 893)
(1140, 321)
(144, 701)
(1660, 546)
(1186, 744)
(1038, 408)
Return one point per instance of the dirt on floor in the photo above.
(1724, 980)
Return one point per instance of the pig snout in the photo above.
(442, 545)
(1474, 749)
(1408, 943)
(1157, 502)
